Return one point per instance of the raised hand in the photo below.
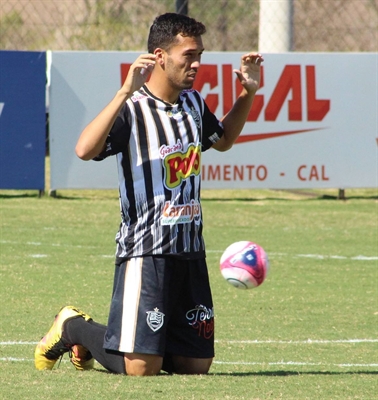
(249, 73)
(139, 72)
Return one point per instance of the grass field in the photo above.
(309, 332)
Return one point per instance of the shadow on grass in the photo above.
(293, 373)
(268, 373)
(37, 196)
(325, 197)
(81, 195)
(246, 199)
(87, 195)
(305, 197)
(19, 195)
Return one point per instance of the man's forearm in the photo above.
(234, 121)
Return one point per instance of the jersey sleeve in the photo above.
(118, 137)
(212, 128)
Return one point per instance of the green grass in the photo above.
(291, 338)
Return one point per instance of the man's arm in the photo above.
(233, 122)
(92, 140)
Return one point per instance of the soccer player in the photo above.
(161, 314)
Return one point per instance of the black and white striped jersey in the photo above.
(158, 147)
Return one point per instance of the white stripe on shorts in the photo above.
(132, 288)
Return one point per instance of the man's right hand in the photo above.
(138, 73)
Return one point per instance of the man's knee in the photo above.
(191, 366)
(142, 364)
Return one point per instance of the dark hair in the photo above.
(166, 27)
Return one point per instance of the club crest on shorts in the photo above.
(155, 319)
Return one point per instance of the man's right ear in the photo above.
(160, 56)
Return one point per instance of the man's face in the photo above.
(182, 61)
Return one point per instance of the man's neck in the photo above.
(161, 90)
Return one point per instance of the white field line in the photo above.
(23, 359)
(47, 244)
(279, 363)
(271, 254)
(294, 363)
(308, 341)
(226, 341)
(252, 342)
(315, 256)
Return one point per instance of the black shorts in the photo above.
(161, 305)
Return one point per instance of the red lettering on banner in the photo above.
(234, 172)
(324, 177)
(238, 173)
(300, 169)
(290, 80)
(250, 171)
(214, 173)
(258, 101)
(208, 74)
(261, 173)
(226, 172)
(124, 71)
(313, 174)
(316, 109)
(228, 98)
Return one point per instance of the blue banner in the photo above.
(22, 119)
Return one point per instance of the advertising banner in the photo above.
(313, 123)
(22, 119)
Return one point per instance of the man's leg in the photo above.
(142, 364)
(75, 328)
(190, 337)
(90, 335)
(191, 366)
(177, 291)
(139, 313)
(75, 331)
(148, 365)
(174, 364)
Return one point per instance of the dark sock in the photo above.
(91, 336)
(167, 364)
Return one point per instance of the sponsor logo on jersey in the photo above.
(179, 165)
(201, 318)
(137, 97)
(155, 319)
(166, 150)
(181, 213)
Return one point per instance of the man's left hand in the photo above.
(249, 73)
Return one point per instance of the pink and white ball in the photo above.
(244, 265)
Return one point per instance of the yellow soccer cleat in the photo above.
(53, 345)
(81, 358)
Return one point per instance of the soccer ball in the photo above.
(244, 265)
